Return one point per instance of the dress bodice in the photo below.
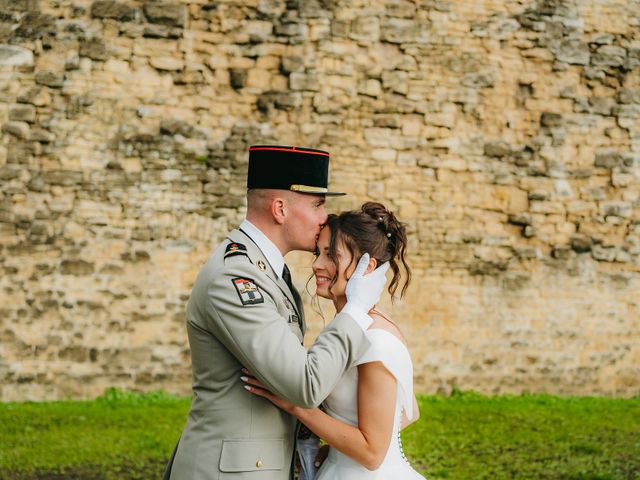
(342, 404)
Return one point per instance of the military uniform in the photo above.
(242, 313)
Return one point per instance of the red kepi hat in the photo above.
(298, 169)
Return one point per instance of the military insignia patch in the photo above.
(235, 249)
(248, 291)
(261, 265)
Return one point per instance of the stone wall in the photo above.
(505, 133)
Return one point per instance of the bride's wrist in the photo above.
(298, 412)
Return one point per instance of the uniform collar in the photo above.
(269, 250)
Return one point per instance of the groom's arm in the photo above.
(261, 339)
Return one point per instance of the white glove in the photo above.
(363, 291)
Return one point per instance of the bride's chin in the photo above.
(324, 293)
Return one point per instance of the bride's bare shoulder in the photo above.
(384, 322)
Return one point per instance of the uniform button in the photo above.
(259, 463)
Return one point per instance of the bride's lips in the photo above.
(321, 280)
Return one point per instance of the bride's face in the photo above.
(325, 270)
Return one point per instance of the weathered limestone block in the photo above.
(365, 29)
(7, 233)
(629, 95)
(50, 79)
(19, 5)
(22, 113)
(549, 119)
(370, 87)
(572, 51)
(609, 159)
(161, 31)
(297, 32)
(258, 79)
(166, 13)
(609, 56)
(259, 31)
(395, 81)
(279, 100)
(382, 137)
(601, 105)
(62, 177)
(400, 9)
(37, 96)
(523, 219)
(95, 49)
(15, 56)
(10, 172)
(292, 63)
(604, 254)
(497, 149)
(113, 9)
(76, 267)
(167, 63)
(35, 25)
(17, 129)
(173, 126)
(401, 30)
(581, 243)
(622, 179)
(562, 252)
(627, 111)
(617, 209)
(446, 117)
(304, 81)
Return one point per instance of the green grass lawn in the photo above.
(125, 435)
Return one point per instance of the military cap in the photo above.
(298, 169)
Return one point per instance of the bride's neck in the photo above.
(340, 302)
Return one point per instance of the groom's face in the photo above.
(305, 218)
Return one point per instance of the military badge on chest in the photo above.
(248, 291)
(293, 317)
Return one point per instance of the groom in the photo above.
(245, 312)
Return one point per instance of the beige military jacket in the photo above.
(241, 313)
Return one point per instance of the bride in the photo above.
(374, 400)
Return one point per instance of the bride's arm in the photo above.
(366, 443)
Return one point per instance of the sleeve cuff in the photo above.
(361, 318)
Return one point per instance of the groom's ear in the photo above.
(278, 210)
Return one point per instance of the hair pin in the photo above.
(388, 234)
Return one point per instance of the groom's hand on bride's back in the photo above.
(363, 291)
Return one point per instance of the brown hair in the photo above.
(374, 230)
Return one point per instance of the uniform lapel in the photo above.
(256, 256)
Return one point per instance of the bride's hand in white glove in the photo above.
(364, 290)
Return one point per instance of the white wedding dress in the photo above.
(342, 404)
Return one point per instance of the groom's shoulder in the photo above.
(236, 259)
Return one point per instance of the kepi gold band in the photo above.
(308, 189)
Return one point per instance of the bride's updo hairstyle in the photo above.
(374, 230)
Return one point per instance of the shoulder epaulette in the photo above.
(235, 248)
